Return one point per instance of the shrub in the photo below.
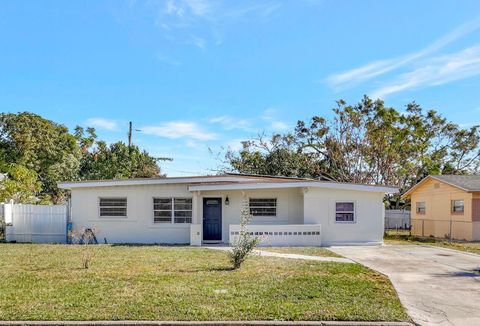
(2, 231)
(244, 245)
(85, 237)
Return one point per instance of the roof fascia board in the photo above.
(415, 186)
(113, 183)
(265, 185)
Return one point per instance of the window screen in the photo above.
(113, 207)
(263, 206)
(457, 206)
(345, 211)
(172, 210)
(421, 208)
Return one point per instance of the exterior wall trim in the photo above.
(142, 182)
(304, 184)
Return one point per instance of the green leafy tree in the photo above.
(279, 155)
(115, 161)
(19, 184)
(40, 145)
(36, 153)
(366, 143)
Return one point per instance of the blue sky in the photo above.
(200, 74)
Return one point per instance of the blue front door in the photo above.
(212, 219)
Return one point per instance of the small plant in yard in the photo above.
(245, 243)
(2, 231)
(85, 237)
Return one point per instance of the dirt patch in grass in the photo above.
(46, 282)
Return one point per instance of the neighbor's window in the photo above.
(421, 207)
(345, 211)
(263, 206)
(172, 210)
(457, 206)
(113, 207)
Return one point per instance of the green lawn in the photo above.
(473, 247)
(309, 251)
(46, 282)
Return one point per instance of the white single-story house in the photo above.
(206, 209)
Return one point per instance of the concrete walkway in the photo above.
(437, 286)
(304, 257)
(288, 256)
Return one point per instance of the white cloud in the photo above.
(468, 124)
(278, 125)
(199, 7)
(270, 115)
(172, 8)
(191, 144)
(268, 119)
(181, 8)
(185, 9)
(235, 144)
(217, 10)
(230, 123)
(380, 67)
(177, 18)
(101, 123)
(263, 9)
(436, 71)
(179, 129)
(166, 59)
(198, 42)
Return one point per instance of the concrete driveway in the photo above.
(437, 286)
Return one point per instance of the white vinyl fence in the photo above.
(397, 219)
(35, 223)
(282, 235)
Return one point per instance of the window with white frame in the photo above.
(421, 208)
(113, 207)
(345, 211)
(263, 206)
(172, 210)
(458, 206)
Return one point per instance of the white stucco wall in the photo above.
(289, 207)
(138, 226)
(319, 208)
(315, 206)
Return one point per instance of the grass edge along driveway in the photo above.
(46, 282)
(405, 239)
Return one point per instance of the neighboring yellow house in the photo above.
(446, 204)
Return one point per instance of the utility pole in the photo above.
(130, 130)
(130, 134)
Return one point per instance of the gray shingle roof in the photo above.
(467, 182)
